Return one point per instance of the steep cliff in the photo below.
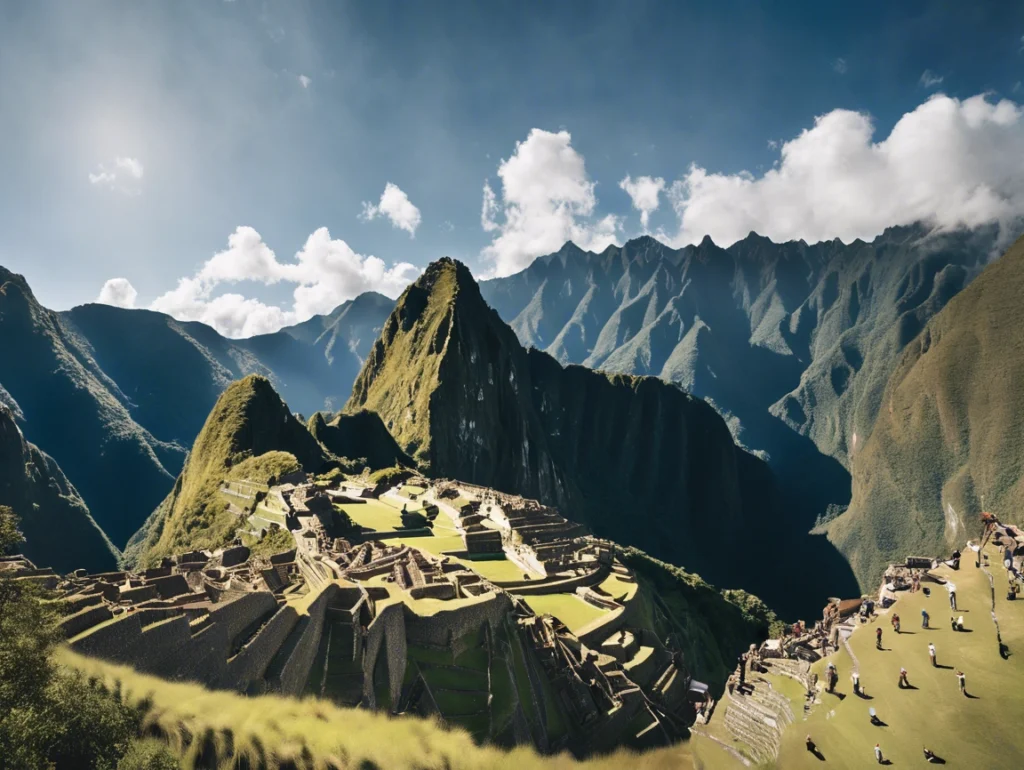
(248, 422)
(949, 432)
(636, 458)
(59, 532)
(77, 414)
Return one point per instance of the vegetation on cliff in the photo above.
(949, 433)
(360, 437)
(248, 421)
(60, 531)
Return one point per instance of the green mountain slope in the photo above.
(951, 430)
(77, 414)
(820, 327)
(248, 421)
(58, 529)
(636, 458)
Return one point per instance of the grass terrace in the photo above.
(568, 608)
(374, 514)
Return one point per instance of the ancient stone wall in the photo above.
(446, 626)
(291, 678)
(385, 636)
(252, 661)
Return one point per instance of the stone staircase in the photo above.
(758, 720)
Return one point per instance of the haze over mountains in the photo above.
(792, 344)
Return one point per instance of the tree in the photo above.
(49, 717)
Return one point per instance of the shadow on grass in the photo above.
(865, 696)
(972, 697)
(939, 665)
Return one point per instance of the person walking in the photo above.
(904, 683)
(924, 618)
(931, 653)
(962, 682)
(878, 754)
(878, 638)
(896, 623)
(951, 587)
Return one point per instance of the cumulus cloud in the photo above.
(305, 80)
(118, 292)
(546, 199)
(948, 162)
(326, 272)
(123, 175)
(929, 79)
(396, 206)
(644, 191)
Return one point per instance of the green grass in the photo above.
(499, 569)
(568, 608)
(374, 514)
(981, 732)
(619, 589)
(275, 541)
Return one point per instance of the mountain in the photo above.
(58, 529)
(72, 410)
(137, 386)
(636, 458)
(949, 435)
(359, 436)
(792, 343)
(249, 431)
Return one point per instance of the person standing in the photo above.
(962, 682)
(904, 683)
(878, 754)
(856, 682)
(931, 653)
(810, 746)
(896, 622)
(960, 623)
(951, 587)
(924, 618)
(878, 638)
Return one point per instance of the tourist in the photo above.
(951, 587)
(878, 638)
(960, 623)
(896, 622)
(810, 746)
(962, 681)
(952, 622)
(856, 683)
(931, 653)
(929, 755)
(878, 753)
(924, 619)
(904, 683)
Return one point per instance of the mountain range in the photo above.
(797, 347)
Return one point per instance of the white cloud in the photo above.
(122, 175)
(929, 79)
(447, 226)
(396, 206)
(546, 200)
(644, 192)
(948, 162)
(840, 66)
(326, 272)
(118, 292)
(305, 80)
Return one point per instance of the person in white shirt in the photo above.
(878, 753)
(931, 653)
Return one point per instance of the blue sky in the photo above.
(285, 117)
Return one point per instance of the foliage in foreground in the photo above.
(50, 717)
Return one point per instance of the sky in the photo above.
(249, 163)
